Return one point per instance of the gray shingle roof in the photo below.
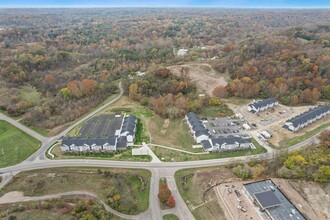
(201, 132)
(122, 142)
(80, 141)
(230, 140)
(129, 124)
(198, 127)
(197, 124)
(206, 144)
(192, 117)
(308, 115)
(263, 103)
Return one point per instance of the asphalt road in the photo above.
(158, 169)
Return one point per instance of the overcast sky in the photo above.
(169, 3)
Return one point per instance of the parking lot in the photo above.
(224, 126)
(106, 124)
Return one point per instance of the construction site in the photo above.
(264, 200)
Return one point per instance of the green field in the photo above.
(30, 94)
(176, 134)
(193, 190)
(121, 189)
(128, 107)
(170, 217)
(216, 111)
(15, 145)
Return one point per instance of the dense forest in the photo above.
(56, 64)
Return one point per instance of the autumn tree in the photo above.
(88, 86)
(73, 86)
(244, 87)
(326, 92)
(322, 174)
(170, 202)
(257, 170)
(220, 92)
(162, 73)
(15, 74)
(164, 193)
(242, 171)
(133, 92)
(294, 160)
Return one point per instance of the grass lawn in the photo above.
(64, 209)
(170, 217)
(305, 136)
(174, 134)
(30, 94)
(75, 131)
(120, 188)
(43, 132)
(171, 155)
(216, 111)
(119, 155)
(125, 105)
(15, 145)
(193, 194)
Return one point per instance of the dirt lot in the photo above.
(205, 77)
(229, 200)
(317, 195)
(273, 120)
(272, 116)
(204, 206)
(281, 135)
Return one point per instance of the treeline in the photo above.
(168, 95)
(73, 56)
(277, 66)
(312, 163)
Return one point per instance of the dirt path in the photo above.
(317, 195)
(203, 74)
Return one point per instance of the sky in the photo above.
(169, 3)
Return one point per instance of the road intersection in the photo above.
(158, 169)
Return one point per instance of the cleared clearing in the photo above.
(203, 74)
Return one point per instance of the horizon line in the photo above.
(173, 6)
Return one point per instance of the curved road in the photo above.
(47, 142)
(165, 169)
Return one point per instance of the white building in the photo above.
(262, 105)
(307, 118)
(227, 144)
(128, 129)
(197, 128)
(182, 52)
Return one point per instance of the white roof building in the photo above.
(182, 52)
